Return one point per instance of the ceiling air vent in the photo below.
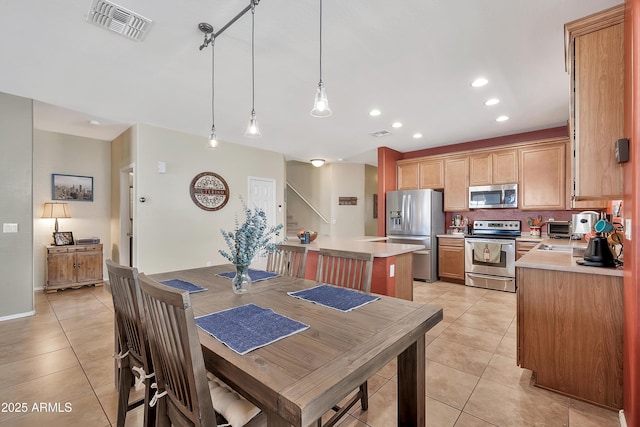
(379, 133)
(118, 19)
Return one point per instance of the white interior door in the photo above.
(262, 194)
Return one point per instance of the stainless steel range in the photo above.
(490, 255)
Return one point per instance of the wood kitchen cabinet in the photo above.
(595, 61)
(408, 175)
(542, 184)
(432, 174)
(524, 246)
(570, 332)
(456, 184)
(73, 266)
(499, 167)
(451, 259)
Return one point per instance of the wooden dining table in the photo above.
(297, 379)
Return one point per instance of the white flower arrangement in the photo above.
(250, 238)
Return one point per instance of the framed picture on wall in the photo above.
(71, 187)
(63, 238)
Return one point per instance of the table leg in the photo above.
(411, 385)
(275, 420)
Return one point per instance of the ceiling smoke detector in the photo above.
(380, 133)
(118, 19)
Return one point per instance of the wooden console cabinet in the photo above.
(73, 266)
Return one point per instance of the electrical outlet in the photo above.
(209, 263)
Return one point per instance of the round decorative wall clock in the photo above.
(209, 191)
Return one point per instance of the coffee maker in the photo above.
(598, 252)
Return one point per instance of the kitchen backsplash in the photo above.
(516, 214)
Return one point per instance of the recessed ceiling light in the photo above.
(94, 122)
(502, 118)
(479, 82)
(492, 101)
(396, 125)
(375, 112)
(417, 135)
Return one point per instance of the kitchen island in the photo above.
(392, 262)
(570, 320)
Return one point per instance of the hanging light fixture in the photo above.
(252, 129)
(207, 29)
(321, 103)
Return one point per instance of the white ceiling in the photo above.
(412, 59)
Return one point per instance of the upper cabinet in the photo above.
(499, 167)
(456, 184)
(542, 184)
(408, 175)
(595, 61)
(413, 174)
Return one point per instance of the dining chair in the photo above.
(134, 358)
(186, 394)
(352, 270)
(288, 260)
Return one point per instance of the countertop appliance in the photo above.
(493, 196)
(490, 254)
(559, 229)
(416, 217)
(584, 222)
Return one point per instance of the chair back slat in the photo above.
(288, 260)
(128, 310)
(345, 268)
(177, 355)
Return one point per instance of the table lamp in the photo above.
(56, 210)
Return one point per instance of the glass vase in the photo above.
(241, 283)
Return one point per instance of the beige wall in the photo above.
(171, 231)
(69, 155)
(347, 180)
(16, 167)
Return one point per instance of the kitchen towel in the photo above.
(487, 252)
(334, 297)
(184, 286)
(248, 327)
(255, 275)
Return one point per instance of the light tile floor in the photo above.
(58, 363)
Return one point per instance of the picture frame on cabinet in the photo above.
(63, 238)
(71, 187)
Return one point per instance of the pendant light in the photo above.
(213, 140)
(321, 103)
(252, 129)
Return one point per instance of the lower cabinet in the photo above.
(73, 266)
(451, 259)
(524, 246)
(570, 332)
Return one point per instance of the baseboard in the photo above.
(17, 316)
(623, 421)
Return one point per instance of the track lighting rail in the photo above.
(207, 29)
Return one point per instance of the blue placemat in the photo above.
(256, 275)
(248, 327)
(334, 297)
(184, 286)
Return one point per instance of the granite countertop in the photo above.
(562, 261)
(370, 244)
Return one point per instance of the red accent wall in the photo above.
(631, 203)
(557, 132)
(387, 159)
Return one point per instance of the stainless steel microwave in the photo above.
(493, 196)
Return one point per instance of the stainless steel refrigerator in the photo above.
(416, 217)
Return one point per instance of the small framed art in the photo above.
(71, 187)
(63, 238)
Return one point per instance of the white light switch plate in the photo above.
(392, 270)
(627, 229)
(9, 228)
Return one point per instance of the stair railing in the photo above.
(304, 199)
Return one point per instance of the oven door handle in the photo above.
(501, 241)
